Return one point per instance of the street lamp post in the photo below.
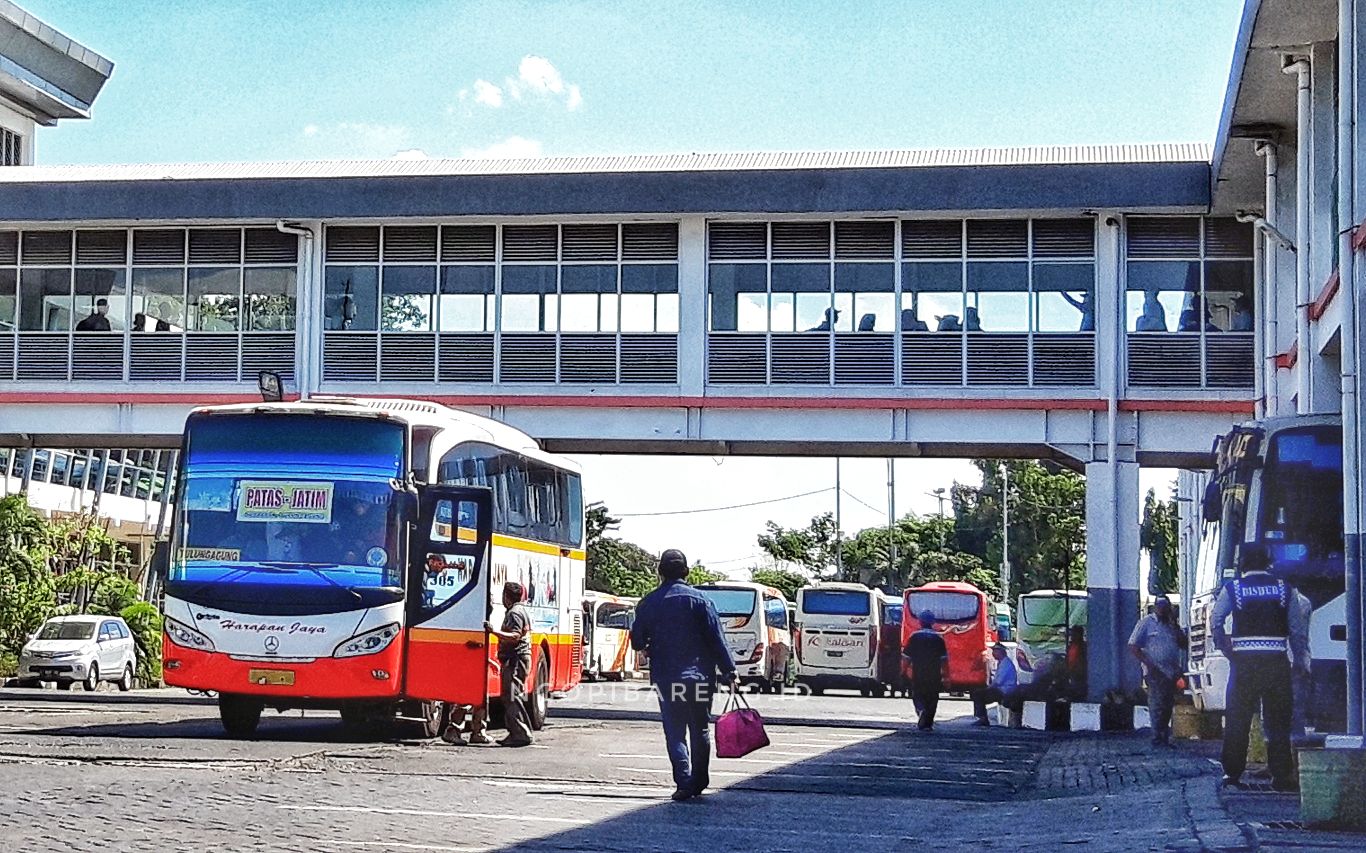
(1005, 533)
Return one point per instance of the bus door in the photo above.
(449, 596)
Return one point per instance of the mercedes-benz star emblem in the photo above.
(272, 643)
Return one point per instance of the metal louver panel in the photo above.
(1065, 360)
(576, 646)
(998, 238)
(1227, 238)
(159, 248)
(737, 359)
(47, 247)
(649, 359)
(97, 356)
(43, 356)
(588, 358)
(801, 359)
(9, 248)
(211, 358)
(801, 240)
(649, 242)
(1230, 360)
(1163, 236)
(466, 358)
(530, 242)
(865, 240)
(528, 358)
(1164, 360)
(349, 356)
(269, 246)
(1064, 238)
(352, 245)
(932, 238)
(410, 243)
(863, 359)
(407, 357)
(474, 243)
(6, 357)
(588, 243)
(931, 358)
(155, 357)
(102, 247)
(737, 241)
(998, 359)
(273, 351)
(214, 246)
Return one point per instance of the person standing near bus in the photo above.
(514, 660)
(1157, 641)
(1270, 631)
(929, 657)
(679, 629)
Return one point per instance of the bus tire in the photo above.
(817, 691)
(240, 714)
(538, 697)
(426, 722)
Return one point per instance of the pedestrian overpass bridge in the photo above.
(1079, 304)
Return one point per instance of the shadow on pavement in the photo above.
(100, 697)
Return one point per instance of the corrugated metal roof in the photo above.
(896, 159)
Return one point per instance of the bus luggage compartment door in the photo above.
(449, 597)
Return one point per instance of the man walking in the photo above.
(1270, 629)
(929, 657)
(678, 627)
(1157, 642)
(514, 661)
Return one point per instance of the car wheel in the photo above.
(126, 680)
(538, 700)
(92, 678)
(240, 714)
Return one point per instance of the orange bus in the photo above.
(344, 554)
(963, 617)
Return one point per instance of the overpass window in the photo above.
(269, 299)
(408, 293)
(109, 285)
(1064, 297)
(649, 298)
(45, 300)
(738, 297)
(588, 298)
(467, 301)
(800, 299)
(1228, 275)
(351, 298)
(530, 298)
(932, 296)
(9, 300)
(865, 297)
(158, 299)
(997, 297)
(214, 301)
(11, 148)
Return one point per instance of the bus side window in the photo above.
(573, 505)
(514, 484)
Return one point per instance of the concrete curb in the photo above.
(1214, 828)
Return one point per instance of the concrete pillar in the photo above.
(1325, 381)
(308, 313)
(1112, 575)
(692, 305)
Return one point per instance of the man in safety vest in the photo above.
(1270, 630)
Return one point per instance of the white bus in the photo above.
(758, 631)
(607, 654)
(838, 640)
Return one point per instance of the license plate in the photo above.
(835, 654)
(277, 677)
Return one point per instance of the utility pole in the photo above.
(891, 520)
(839, 530)
(939, 493)
(1005, 533)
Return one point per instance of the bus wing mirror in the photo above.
(161, 560)
(1212, 506)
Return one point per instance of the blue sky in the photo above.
(222, 81)
(268, 80)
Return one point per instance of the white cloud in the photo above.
(310, 130)
(539, 75)
(487, 94)
(574, 100)
(512, 148)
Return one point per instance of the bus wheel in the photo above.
(240, 714)
(422, 720)
(538, 702)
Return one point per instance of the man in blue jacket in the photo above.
(679, 629)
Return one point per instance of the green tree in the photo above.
(812, 547)
(1158, 536)
(27, 592)
(144, 622)
(700, 574)
(614, 565)
(785, 581)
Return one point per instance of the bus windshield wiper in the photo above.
(316, 569)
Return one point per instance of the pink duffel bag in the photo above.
(739, 729)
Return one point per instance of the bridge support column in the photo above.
(1112, 576)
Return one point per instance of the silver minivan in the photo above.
(85, 649)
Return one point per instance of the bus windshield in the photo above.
(946, 606)
(1301, 507)
(290, 501)
(836, 602)
(1052, 611)
(891, 614)
(730, 602)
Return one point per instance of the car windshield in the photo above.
(946, 606)
(67, 631)
(290, 500)
(836, 602)
(730, 602)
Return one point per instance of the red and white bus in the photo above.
(963, 617)
(344, 554)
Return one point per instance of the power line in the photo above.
(723, 508)
(857, 499)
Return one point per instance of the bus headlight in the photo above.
(187, 637)
(368, 643)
